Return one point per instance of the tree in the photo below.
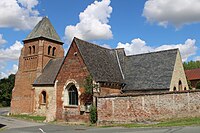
(6, 86)
(191, 65)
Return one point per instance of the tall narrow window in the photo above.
(33, 49)
(53, 52)
(29, 49)
(174, 88)
(44, 100)
(73, 95)
(179, 85)
(49, 50)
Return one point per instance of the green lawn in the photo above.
(30, 117)
(165, 123)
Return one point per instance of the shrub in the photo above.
(198, 85)
(93, 114)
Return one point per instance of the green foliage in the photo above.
(6, 86)
(189, 84)
(192, 121)
(30, 117)
(93, 114)
(198, 85)
(88, 85)
(191, 65)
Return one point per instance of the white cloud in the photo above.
(106, 46)
(19, 14)
(13, 70)
(175, 12)
(197, 58)
(8, 72)
(11, 53)
(2, 41)
(3, 75)
(93, 23)
(138, 46)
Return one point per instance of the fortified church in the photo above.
(51, 84)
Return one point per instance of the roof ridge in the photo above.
(192, 69)
(75, 38)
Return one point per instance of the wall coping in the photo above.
(147, 93)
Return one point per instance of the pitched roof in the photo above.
(44, 29)
(101, 62)
(193, 74)
(49, 73)
(149, 71)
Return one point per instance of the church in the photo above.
(51, 84)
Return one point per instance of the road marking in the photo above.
(42, 130)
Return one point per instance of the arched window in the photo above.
(29, 49)
(49, 50)
(53, 52)
(73, 95)
(44, 97)
(179, 85)
(33, 49)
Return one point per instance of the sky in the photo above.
(138, 26)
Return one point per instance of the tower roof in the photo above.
(44, 29)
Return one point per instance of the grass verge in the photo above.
(30, 117)
(166, 123)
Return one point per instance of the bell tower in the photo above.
(40, 46)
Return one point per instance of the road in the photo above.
(20, 126)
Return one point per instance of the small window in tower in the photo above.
(54, 51)
(44, 100)
(33, 49)
(49, 50)
(29, 49)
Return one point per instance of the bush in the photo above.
(198, 85)
(93, 114)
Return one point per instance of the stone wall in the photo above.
(147, 107)
(178, 75)
(49, 108)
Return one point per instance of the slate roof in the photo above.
(149, 71)
(50, 72)
(44, 29)
(101, 62)
(193, 74)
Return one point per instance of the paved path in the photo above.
(21, 126)
(79, 129)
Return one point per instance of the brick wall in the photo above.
(73, 71)
(148, 107)
(30, 67)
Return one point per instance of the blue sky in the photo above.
(139, 26)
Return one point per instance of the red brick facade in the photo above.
(34, 56)
(73, 68)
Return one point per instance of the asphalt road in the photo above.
(20, 126)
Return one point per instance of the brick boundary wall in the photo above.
(127, 108)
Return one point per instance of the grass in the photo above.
(30, 117)
(166, 123)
